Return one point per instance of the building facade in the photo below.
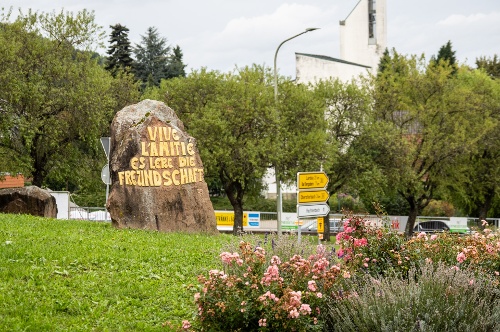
(363, 40)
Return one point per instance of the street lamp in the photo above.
(279, 206)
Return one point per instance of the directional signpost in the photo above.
(312, 197)
(313, 210)
(311, 180)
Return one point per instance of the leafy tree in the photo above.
(476, 183)
(175, 67)
(346, 108)
(299, 138)
(50, 84)
(490, 65)
(234, 134)
(152, 58)
(430, 119)
(188, 97)
(119, 51)
(234, 119)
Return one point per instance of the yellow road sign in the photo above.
(312, 180)
(321, 225)
(226, 218)
(312, 196)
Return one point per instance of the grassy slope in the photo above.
(58, 275)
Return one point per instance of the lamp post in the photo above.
(279, 205)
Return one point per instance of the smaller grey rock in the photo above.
(28, 200)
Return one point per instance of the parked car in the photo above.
(311, 227)
(434, 226)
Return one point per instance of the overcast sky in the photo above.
(223, 34)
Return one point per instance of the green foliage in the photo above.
(299, 136)
(473, 183)
(490, 65)
(433, 298)
(432, 120)
(439, 208)
(48, 86)
(348, 117)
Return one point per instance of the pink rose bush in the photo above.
(479, 251)
(376, 250)
(253, 293)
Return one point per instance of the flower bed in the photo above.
(261, 291)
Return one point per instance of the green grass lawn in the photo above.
(60, 275)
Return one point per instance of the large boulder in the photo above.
(28, 200)
(156, 173)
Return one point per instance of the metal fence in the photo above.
(269, 219)
(89, 213)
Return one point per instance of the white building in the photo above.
(363, 40)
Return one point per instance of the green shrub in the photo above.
(433, 298)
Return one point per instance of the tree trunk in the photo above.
(485, 205)
(234, 192)
(238, 218)
(40, 161)
(412, 217)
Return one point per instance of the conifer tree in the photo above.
(384, 61)
(119, 52)
(176, 67)
(446, 54)
(152, 58)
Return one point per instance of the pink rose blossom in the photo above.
(311, 285)
(338, 237)
(186, 324)
(275, 260)
(319, 295)
(360, 242)
(262, 322)
(461, 257)
(433, 237)
(421, 235)
(305, 309)
(293, 313)
(349, 229)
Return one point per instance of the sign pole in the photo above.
(106, 145)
